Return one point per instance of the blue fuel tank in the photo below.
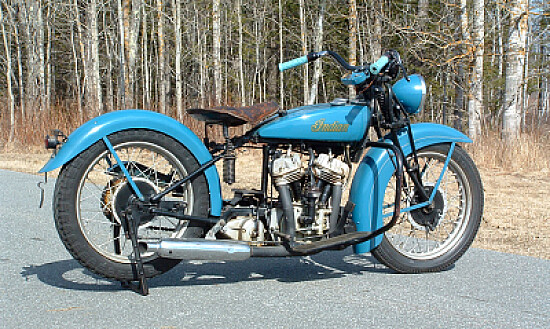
(331, 122)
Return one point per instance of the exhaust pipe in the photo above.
(198, 249)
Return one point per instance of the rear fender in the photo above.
(104, 125)
(376, 169)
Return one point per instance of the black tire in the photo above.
(83, 180)
(465, 181)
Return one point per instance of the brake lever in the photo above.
(397, 57)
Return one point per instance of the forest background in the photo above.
(486, 64)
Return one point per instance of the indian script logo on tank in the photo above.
(335, 127)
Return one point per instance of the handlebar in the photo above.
(314, 56)
(377, 66)
(374, 68)
(293, 63)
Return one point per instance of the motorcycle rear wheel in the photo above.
(411, 246)
(91, 193)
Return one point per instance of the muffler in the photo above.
(198, 249)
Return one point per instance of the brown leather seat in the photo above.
(235, 116)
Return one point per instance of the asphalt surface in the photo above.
(41, 286)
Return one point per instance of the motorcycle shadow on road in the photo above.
(69, 274)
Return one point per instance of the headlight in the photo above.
(411, 93)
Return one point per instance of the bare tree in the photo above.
(176, 6)
(515, 58)
(475, 94)
(163, 72)
(94, 85)
(7, 49)
(318, 68)
(216, 47)
(352, 23)
(303, 38)
(122, 61)
(241, 68)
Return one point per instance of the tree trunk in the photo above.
(39, 30)
(131, 31)
(318, 68)
(352, 23)
(145, 61)
(475, 95)
(241, 69)
(7, 49)
(281, 57)
(95, 77)
(515, 57)
(163, 74)
(374, 30)
(525, 81)
(122, 60)
(21, 86)
(303, 37)
(179, 85)
(109, 50)
(49, 66)
(216, 47)
(463, 71)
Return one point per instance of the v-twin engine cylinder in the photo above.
(287, 169)
(330, 169)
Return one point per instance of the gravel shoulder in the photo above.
(42, 286)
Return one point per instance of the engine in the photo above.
(308, 205)
(309, 194)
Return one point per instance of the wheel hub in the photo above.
(124, 194)
(431, 215)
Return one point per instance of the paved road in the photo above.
(41, 286)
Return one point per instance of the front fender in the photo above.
(104, 125)
(376, 169)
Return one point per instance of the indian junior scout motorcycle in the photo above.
(138, 191)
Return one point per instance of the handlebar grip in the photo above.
(293, 63)
(377, 66)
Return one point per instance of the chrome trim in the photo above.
(424, 92)
(198, 249)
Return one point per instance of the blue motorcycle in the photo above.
(138, 191)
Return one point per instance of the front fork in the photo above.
(425, 200)
(414, 169)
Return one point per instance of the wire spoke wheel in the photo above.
(431, 239)
(92, 194)
(103, 195)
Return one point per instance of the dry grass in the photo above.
(530, 153)
(517, 216)
(516, 183)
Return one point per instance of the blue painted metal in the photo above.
(377, 66)
(436, 187)
(376, 169)
(411, 93)
(293, 63)
(123, 168)
(354, 79)
(109, 123)
(451, 149)
(322, 122)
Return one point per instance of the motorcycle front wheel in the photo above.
(91, 194)
(431, 240)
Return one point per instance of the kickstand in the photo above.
(131, 225)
